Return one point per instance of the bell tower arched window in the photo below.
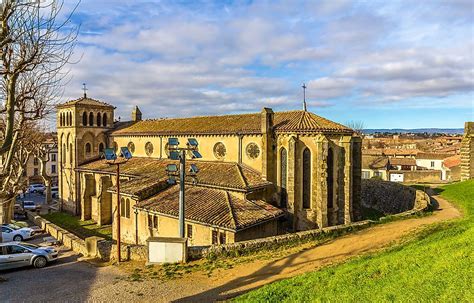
(306, 178)
(91, 119)
(88, 149)
(84, 119)
(101, 147)
(104, 120)
(283, 175)
(99, 119)
(70, 119)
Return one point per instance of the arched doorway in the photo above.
(283, 177)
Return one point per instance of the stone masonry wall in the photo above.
(392, 198)
(467, 152)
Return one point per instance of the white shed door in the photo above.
(396, 177)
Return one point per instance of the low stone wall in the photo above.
(67, 238)
(419, 176)
(249, 246)
(392, 198)
(129, 252)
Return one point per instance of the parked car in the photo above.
(30, 205)
(18, 254)
(54, 192)
(36, 188)
(12, 232)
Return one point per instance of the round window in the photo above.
(149, 148)
(252, 150)
(219, 150)
(131, 147)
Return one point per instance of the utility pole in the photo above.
(182, 174)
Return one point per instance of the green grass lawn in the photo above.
(436, 266)
(82, 229)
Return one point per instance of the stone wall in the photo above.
(467, 152)
(245, 247)
(423, 176)
(392, 198)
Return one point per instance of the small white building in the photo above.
(433, 161)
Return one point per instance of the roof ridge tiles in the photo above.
(231, 209)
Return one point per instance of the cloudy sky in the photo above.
(390, 64)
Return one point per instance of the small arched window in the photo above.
(101, 147)
(104, 120)
(91, 119)
(88, 149)
(122, 207)
(99, 119)
(127, 209)
(306, 178)
(84, 119)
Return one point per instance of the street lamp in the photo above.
(112, 159)
(179, 153)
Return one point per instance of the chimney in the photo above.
(268, 163)
(136, 114)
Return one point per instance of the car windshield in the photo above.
(29, 245)
(13, 226)
(29, 203)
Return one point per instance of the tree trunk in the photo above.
(47, 193)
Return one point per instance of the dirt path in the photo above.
(73, 281)
(232, 282)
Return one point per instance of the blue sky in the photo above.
(389, 64)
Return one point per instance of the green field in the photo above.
(82, 229)
(436, 266)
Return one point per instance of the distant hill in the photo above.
(451, 131)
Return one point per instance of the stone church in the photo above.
(261, 174)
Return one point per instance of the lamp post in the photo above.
(112, 159)
(179, 153)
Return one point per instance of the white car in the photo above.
(12, 232)
(36, 188)
(30, 205)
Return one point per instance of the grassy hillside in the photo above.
(438, 266)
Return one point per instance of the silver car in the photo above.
(19, 254)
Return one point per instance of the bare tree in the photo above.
(35, 47)
(357, 126)
(43, 154)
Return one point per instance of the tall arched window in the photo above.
(101, 147)
(306, 178)
(70, 119)
(99, 119)
(330, 178)
(63, 155)
(104, 119)
(91, 119)
(127, 209)
(70, 154)
(283, 175)
(88, 149)
(84, 119)
(61, 119)
(122, 207)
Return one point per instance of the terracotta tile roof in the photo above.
(374, 162)
(433, 156)
(85, 101)
(291, 121)
(212, 173)
(403, 161)
(391, 151)
(212, 207)
(452, 161)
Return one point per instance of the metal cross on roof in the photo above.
(84, 88)
(304, 96)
